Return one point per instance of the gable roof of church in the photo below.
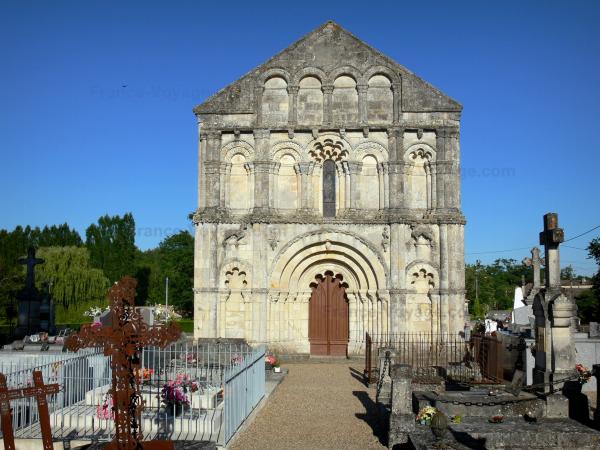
(328, 51)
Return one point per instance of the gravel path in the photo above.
(317, 406)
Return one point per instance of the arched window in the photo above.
(329, 188)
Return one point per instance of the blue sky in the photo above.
(75, 144)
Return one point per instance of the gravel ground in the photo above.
(317, 406)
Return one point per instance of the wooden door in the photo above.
(328, 317)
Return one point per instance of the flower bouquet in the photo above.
(583, 372)
(426, 414)
(144, 375)
(271, 362)
(105, 410)
(174, 394)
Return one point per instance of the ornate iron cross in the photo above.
(39, 390)
(124, 340)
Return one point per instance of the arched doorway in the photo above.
(328, 322)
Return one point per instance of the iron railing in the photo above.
(201, 372)
(477, 360)
(244, 389)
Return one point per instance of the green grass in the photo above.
(187, 325)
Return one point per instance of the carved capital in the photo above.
(293, 89)
(355, 167)
(362, 88)
(396, 86)
(305, 168)
(327, 89)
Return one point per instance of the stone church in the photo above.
(328, 202)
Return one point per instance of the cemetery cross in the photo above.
(124, 340)
(39, 390)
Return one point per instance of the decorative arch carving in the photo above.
(230, 263)
(237, 147)
(328, 146)
(274, 72)
(350, 71)
(322, 235)
(282, 147)
(420, 149)
(306, 72)
(374, 148)
(379, 70)
(418, 264)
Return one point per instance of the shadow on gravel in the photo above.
(375, 416)
(357, 375)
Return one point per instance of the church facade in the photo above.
(328, 202)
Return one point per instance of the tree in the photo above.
(496, 284)
(74, 284)
(174, 258)
(111, 244)
(588, 303)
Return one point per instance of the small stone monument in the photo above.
(555, 346)
(29, 299)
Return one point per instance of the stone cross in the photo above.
(39, 390)
(31, 261)
(124, 340)
(536, 262)
(551, 238)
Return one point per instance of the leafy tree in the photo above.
(74, 284)
(588, 303)
(174, 258)
(111, 244)
(497, 282)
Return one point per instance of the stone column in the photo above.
(262, 169)
(258, 93)
(397, 100)
(306, 192)
(444, 268)
(201, 173)
(293, 105)
(355, 168)
(440, 150)
(448, 173)
(381, 175)
(363, 118)
(224, 169)
(396, 167)
(212, 168)
(327, 104)
(346, 172)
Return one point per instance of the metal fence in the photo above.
(475, 361)
(191, 392)
(244, 389)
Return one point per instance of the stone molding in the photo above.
(349, 217)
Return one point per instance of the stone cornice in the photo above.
(349, 217)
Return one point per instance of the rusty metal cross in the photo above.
(39, 390)
(124, 340)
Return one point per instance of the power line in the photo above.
(576, 248)
(582, 234)
(527, 248)
(497, 251)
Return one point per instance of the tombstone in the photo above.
(29, 298)
(47, 316)
(594, 330)
(536, 262)
(555, 346)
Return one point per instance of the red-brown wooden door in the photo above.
(328, 317)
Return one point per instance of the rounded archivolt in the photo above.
(298, 264)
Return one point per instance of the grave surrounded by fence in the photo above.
(192, 391)
(477, 359)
